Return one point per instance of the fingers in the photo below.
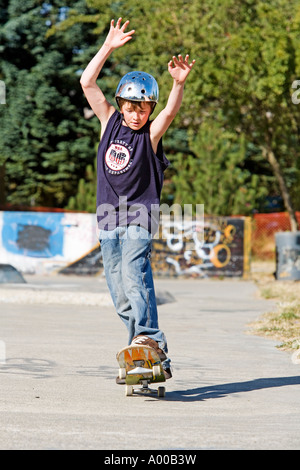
(125, 25)
(118, 25)
(176, 62)
(180, 62)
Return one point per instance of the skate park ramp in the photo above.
(10, 275)
(88, 264)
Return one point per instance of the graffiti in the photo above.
(32, 234)
(37, 241)
(220, 247)
(184, 253)
(33, 238)
(43, 241)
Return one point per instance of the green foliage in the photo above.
(85, 197)
(247, 56)
(237, 104)
(217, 176)
(45, 140)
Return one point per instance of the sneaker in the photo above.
(141, 340)
(168, 373)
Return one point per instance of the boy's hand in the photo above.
(116, 36)
(180, 69)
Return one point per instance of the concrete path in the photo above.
(230, 390)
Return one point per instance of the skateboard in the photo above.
(140, 365)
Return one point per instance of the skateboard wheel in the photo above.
(128, 390)
(161, 391)
(156, 371)
(122, 373)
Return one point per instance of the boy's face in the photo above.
(136, 114)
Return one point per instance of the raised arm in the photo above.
(116, 37)
(179, 70)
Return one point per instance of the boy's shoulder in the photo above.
(114, 120)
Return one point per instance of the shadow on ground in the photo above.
(223, 390)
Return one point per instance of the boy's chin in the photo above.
(135, 126)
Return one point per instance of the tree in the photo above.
(45, 140)
(85, 197)
(237, 123)
(247, 56)
(251, 49)
(218, 175)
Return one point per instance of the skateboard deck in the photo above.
(140, 365)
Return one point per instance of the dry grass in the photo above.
(282, 324)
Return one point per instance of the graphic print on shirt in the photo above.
(117, 157)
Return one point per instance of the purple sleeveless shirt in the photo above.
(129, 177)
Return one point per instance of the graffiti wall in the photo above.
(40, 242)
(220, 248)
(224, 250)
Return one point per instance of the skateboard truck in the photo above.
(144, 390)
(147, 375)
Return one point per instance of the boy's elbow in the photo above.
(83, 83)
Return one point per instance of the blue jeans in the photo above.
(126, 258)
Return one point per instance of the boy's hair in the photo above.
(136, 104)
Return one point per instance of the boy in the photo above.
(130, 170)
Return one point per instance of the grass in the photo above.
(282, 324)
